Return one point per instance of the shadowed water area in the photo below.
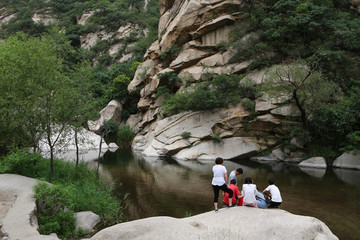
(165, 187)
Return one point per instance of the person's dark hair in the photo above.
(219, 160)
(271, 182)
(240, 170)
(248, 180)
(232, 181)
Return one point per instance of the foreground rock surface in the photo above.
(234, 223)
(17, 214)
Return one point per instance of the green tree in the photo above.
(305, 87)
(38, 94)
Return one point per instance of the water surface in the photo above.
(165, 187)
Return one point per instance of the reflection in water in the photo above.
(176, 188)
(314, 172)
(349, 176)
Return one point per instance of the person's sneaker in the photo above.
(232, 205)
(217, 210)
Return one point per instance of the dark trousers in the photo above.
(274, 204)
(223, 188)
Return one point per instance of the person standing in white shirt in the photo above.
(276, 199)
(219, 182)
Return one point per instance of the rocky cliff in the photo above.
(195, 29)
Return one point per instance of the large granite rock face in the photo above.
(233, 223)
(190, 33)
(348, 160)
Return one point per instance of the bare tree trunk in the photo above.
(77, 148)
(301, 109)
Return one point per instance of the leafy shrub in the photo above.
(125, 136)
(216, 137)
(185, 135)
(109, 131)
(218, 92)
(76, 188)
(52, 206)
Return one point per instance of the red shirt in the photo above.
(236, 192)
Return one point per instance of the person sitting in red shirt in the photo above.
(236, 194)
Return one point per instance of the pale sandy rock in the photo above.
(185, 20)
(264, 123)
(188, 58)
(212, 61)
(163, 23)
(19, 221)
(209, 2)
(6, 19)
(144, 104)
(314, 162)
(153, 51)
(139, 77)
(150, 88)
(213, 24)
(125, 31)
(193, 73)
(237, 68)
(262, 106)
(126, 57)
(85, 17)
(287, 111)
(89, 40)
(228, 148)
(86, 221)
(114, 49)
(253, 224)
(256, 76)
(112, 111)
(45, 18)
(213, 38)
(348, 160)
(278, 154)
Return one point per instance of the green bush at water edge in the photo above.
(74, 189)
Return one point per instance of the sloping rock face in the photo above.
(190, 32)
(254, 223)
(17, 214)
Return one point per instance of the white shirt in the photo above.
(275, 193)
(249, 192)
(219, 171)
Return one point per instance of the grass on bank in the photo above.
(74, 189)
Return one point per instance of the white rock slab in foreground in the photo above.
(18, 220)
(234, 223)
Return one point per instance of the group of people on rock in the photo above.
(249, 195)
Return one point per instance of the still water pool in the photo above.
(165, 187)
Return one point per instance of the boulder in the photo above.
(314, 162)
(278, 154)
(253, 224)
(227, 148)
(86, 221)
(45, 18)
(112, 111)
(348, 160)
